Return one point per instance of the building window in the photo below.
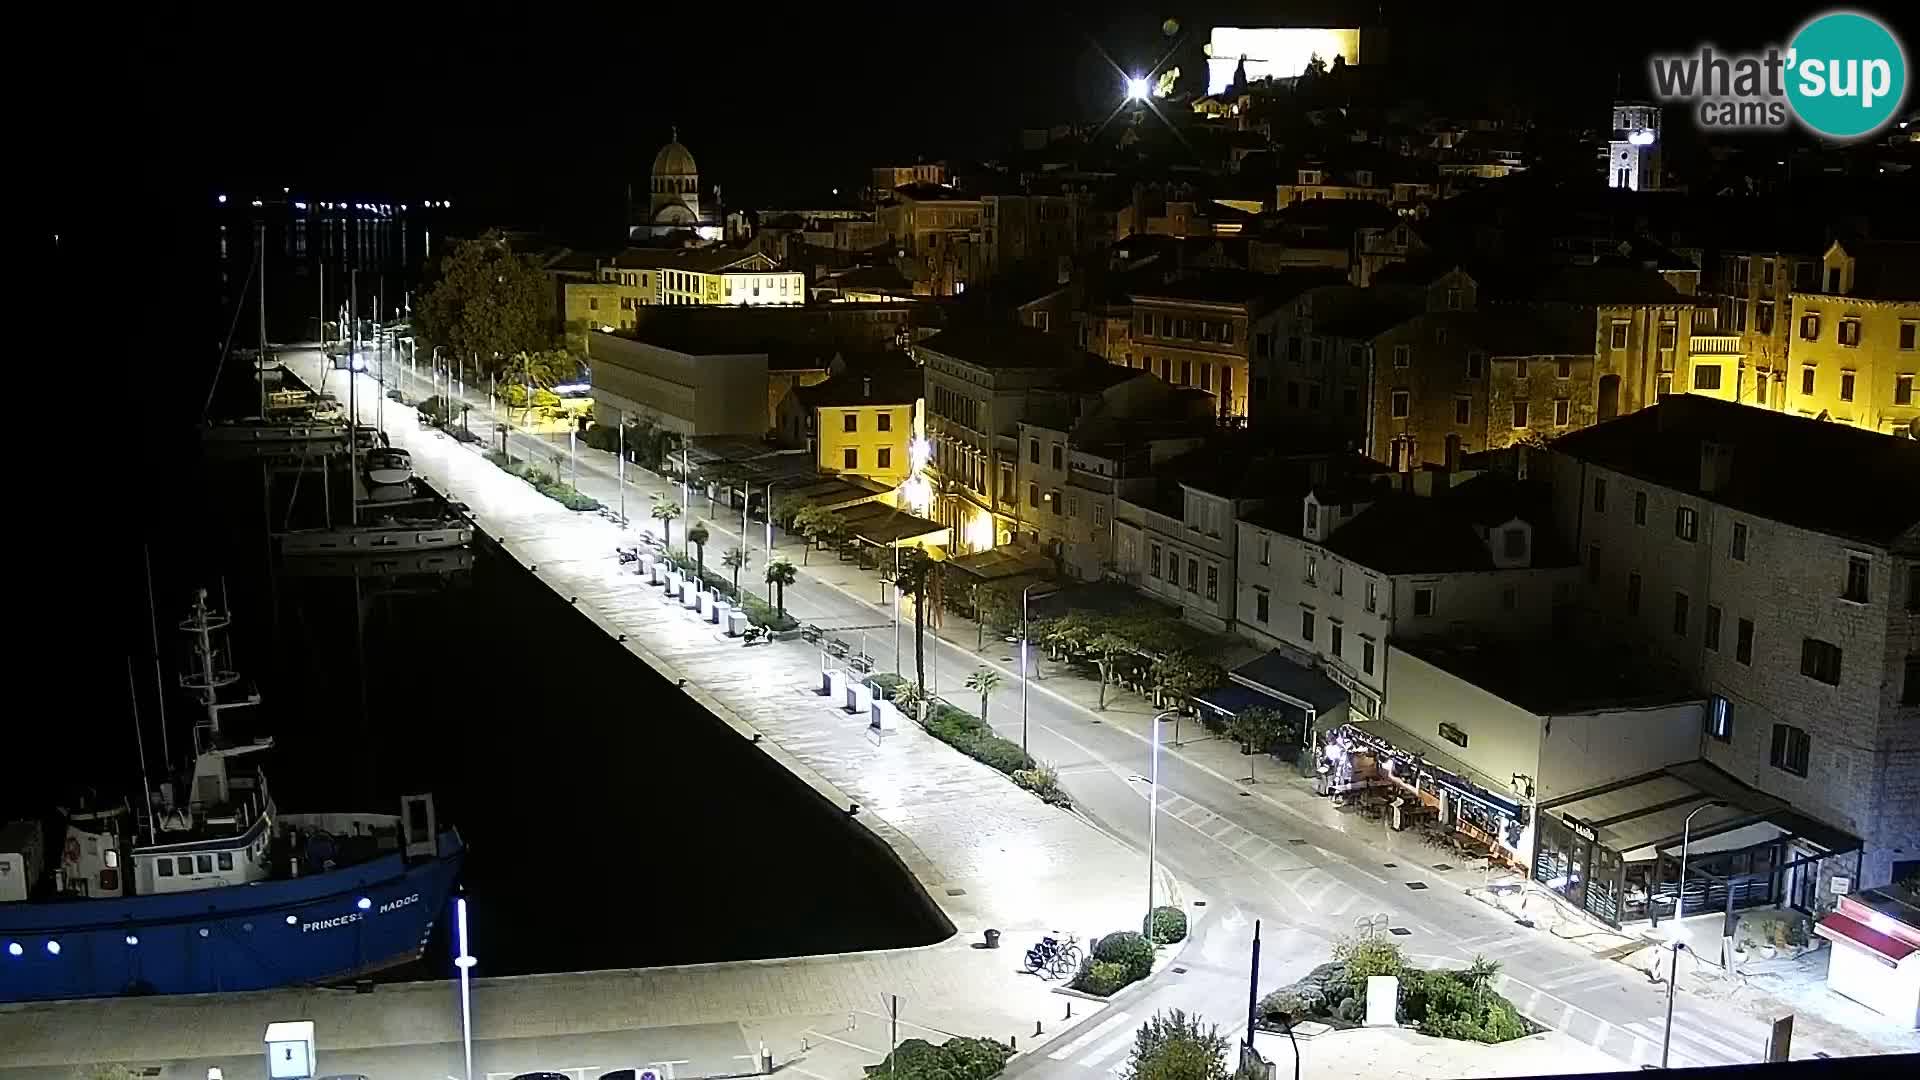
(1686, 524)
(1850, 332)
(1563, 368)
(1593, 564)
(1462, 410)
(1706, 376)
(1519, 367)
(1423, 601)
(1266, 550)
(1846, 386)
(1562, 412)
(1261, 604)
(886, 421)
(1790, 747)
(1033, 496)
(1719, 718)
(1153, 561)
(1633, 594)
(224, 860)
(1908, 331)
(1910, 690)
(1856, 587)
(1763, 317)
(1599, 495)
(1059, 457)
(1806, 380)
(1401, 404)
(886, 457)
(1680, 604)
(1639, 508)
(1366, 657)
(850, 458)
(1810, 326)
(1213, 582)
(850, 422)
(1335, 634)
(1193, 575)
(1306, 625)
(1514, 543)
(1520, 414)
(1476, 364)
(1373, 596)
(1339, 579)
(1509, 597)
(1033, 451)
(1743, 642)
(1739, 549)
(1053, 501)
(1820, 661)
(1402, 356)
(1903, 389)
(164, 867)
(203, 864)
(1669, 333)
(1617, 334)
(1313, 571)
(1713, 627)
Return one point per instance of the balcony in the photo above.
(1714, 344)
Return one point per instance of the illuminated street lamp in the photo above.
(1153, 817)
(1138, 88)
(465, 962)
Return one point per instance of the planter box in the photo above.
(655, 575)
(690, 596)
(736, 623)
(885, 716)
(859, 698)
(717, 611)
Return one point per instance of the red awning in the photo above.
(1891, 949)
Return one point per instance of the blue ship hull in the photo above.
(314, 929)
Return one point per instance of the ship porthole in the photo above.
(14, 949)
(364, 903)
(203, 931)
(53, 947)
(133, 939)
(291, 920)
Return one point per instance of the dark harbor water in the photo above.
(610, 821)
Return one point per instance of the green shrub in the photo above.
(761, 613)
(958, 1058)
(1287, 1001)
(1101, 977)
(1126, 948)
(499, 460)
(1166, 925)
(1044, 781)
(603, 437)
(1365, 957)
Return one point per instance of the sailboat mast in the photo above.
(353, 398)
(159, 683)
(259, 371)
(140, 744)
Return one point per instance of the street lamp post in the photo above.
(1673, 978)
(1153, 819)
(1686, 831)
(621, 471)
(465, 962)
(1023, 667)
(768, 510)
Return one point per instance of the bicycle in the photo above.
(1053, 958)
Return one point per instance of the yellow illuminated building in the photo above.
(865, 423)
(694, 276)
(1854, 355)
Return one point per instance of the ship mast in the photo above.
(209, 672)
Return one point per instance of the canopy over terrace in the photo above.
(1615, 849)
(1274, 681)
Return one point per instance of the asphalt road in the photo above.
(1246, 857)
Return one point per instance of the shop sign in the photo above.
(1584, 832)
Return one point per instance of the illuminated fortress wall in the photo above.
(1280, 52)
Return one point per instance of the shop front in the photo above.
(1614, 851)
(1376, 759)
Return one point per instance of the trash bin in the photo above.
(993, 939)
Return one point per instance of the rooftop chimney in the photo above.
(866, 388)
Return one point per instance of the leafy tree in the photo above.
(983, 681)
(1108, 650)
(780, 574)
(786, 507)
(817, 524)
(698, 537)
(736, 560)
(664, 511)
(1176, 1046)
(994, 609)
(486, 303)
(1180, 676)
(917, 575)
(1255, 729)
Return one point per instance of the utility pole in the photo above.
(259, 375)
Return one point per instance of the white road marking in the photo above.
(1098, 1030)
(1108, 1049)
(843, 1042)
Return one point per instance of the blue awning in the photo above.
(1302, 687)
(1233, 700)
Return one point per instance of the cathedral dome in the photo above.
(674, 160)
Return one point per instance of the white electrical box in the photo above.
(290, 1050)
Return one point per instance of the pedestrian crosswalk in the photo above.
(1700, 1038)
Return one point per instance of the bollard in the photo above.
(1036, 1029)
(1013, 1043)
(1069, 1015)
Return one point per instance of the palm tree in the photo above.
(735, 560)
(698, 536)
(907, 697)
(1108, 650)
(983, 681)
(780, 574)
(664, 511)
(916, 577)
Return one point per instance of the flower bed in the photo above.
(971, 736)
(545, 483)
(1449, 1003)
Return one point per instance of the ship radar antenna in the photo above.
(207, 673)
